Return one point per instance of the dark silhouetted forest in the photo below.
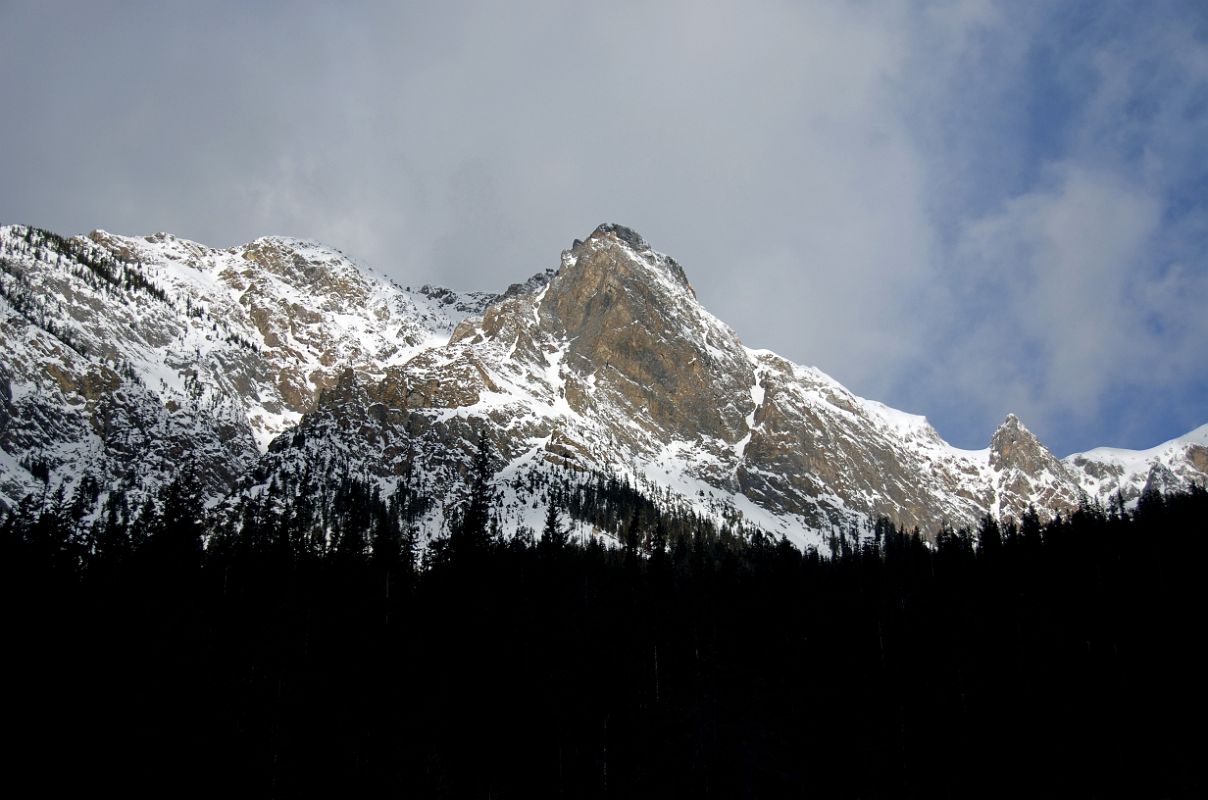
(172, 651)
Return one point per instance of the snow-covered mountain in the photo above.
(1171, 465)
(127, 358)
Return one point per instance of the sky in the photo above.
(960, 208)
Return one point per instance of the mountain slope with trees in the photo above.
(181, 653)
(127, 360)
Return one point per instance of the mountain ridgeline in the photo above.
(272, 523)
(177, 656)
(127, 361)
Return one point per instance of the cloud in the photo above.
(1064, 149)
(960, 207)
(1052, 285)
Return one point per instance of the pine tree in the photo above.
(553, 537)
(632, 537)
(175, 536)
(989, 537)
(472, 532)
(1029, 527)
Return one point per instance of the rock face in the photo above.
(612, 365)
(126, 357)
(1027, 473)
(1108, 471)
(629, 318)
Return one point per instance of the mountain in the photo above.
(130, 359)
(1104, 471)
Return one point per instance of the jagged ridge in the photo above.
(125, 356)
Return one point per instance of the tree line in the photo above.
(300, 643)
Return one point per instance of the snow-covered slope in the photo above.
(1105, 471)
(126, 357)
(282, 360)
(613, 366)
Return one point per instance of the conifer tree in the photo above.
(175, 534)
(989, 537)
(553, 537)
(471, 533)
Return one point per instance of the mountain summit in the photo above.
(282, 360)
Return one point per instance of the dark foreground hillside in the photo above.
(1057, 660)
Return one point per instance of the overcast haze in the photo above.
(959, 208)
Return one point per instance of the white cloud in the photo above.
(1052, 282)
(962, 207)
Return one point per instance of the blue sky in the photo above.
(962, 209)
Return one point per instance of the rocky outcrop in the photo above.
(1111, 472)
(129, 357)
(1027, 473)
(611, 364)
(631, 321)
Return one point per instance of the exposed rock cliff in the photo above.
(128, 357)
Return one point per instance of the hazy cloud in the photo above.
(961, 208)
(1052, 294)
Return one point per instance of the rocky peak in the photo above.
(611, 235)
(1026, 472)
(1014, 446)
(631, 320)
(122, 355)
(624, 234)
(306, 265)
